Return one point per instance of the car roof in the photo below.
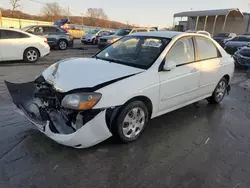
(11, 29)
(164, 34)
(17, 30)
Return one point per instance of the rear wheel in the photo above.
(131, 122)
(62, 44)
(31, 55)
(219, 92)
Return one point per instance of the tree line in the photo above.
(53, 12)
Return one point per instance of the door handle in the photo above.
(194, 70)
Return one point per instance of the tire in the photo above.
(94, 41)
(62, 44)
(31, 55)
(219, 92)
(130, 122)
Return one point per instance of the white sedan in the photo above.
(81, 102)
(19, 45)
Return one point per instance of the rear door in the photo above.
(13, 44)
(52, 34)
(210, 61)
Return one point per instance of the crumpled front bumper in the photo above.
(91, 133)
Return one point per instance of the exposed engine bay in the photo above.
(42, 103)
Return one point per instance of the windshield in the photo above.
(135, 51)
(123, 32)
(93, 31)
(222, 35)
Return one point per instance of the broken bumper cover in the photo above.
(90, 134)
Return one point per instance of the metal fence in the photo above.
(19, 23)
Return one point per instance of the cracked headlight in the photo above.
(81, 101)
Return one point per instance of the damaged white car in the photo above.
(80, 102)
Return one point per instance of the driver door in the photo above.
(179, 85)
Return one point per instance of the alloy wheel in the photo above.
(133, 122)
(220, 90)
(32, 55)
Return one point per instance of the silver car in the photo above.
(92, 36)
(107, 40)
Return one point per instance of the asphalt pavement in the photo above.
(198, 146)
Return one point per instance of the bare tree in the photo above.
(14, 4)
(95, 13)
(52, 11)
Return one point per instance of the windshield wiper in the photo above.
(112, 60)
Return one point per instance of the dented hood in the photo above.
(78, 73)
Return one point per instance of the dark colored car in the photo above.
(222, 38)
(56, 36)
(236, 43)
(242, 57)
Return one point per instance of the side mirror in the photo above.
(169, 65)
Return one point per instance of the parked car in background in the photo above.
(76, 101)
(222, 38)
(242, 56)
(92, 36)
(105, 41)
(56, 36)
(19, 45)
(237, 42)
(200, 32)
(104, 34)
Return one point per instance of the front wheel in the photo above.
(94, 41)
(131, 122)
(219, 92)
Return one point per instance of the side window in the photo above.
(50, 30)
(6, 34)
(38, 30)
(206, 49)
(141, 30)
(182, 51)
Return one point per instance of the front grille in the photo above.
(231, 50)
(103, 40)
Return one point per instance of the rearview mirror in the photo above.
(169, 65)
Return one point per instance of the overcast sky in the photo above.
(139, 12)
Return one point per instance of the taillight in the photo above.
(46, 41)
